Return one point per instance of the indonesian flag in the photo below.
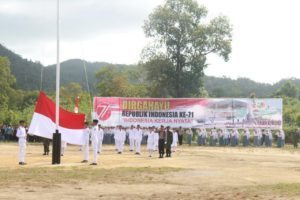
(71, 125)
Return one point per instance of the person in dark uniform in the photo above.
(180, 135)
(161, 141)
(296, 138)
(46, 143)
(169, 142)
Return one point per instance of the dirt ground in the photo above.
(192, 173)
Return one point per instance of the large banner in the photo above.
(188, 112)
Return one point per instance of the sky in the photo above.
(265, 46)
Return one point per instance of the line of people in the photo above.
(233, 137)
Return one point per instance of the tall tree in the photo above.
(182, 41)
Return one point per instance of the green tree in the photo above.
(182, 41)
(112, 81)
(6, 82)
(288, 89)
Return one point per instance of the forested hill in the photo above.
(28, 76)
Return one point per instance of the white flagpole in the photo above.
(57, 71)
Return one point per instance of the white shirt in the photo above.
(138, 134)
(100, 134)
(94, 135)
(86, 136)
(21, 133)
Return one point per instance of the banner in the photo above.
(188, 112)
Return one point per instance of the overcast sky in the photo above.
(266, 33)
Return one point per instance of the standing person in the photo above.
(189, 133)
(156, 138)
(46, 144)
(255, 139)
(63, 147)
(282, 138)
(175, 140)
(221, 137)
(151, 142)
(138, 136)
(226, 137)
(199, 134)
(21, 134)
(180, 135)
(8, 133)
(270, 137)
(260, 136)
(131, 133)
(120, 137)
(246, 137)
(86, 142)
(161, 142)
(100, 138)
(169, 142)
(204, 136)
(94, 138)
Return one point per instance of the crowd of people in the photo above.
(161, 139)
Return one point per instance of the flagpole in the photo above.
(57, 135)
(57, 70)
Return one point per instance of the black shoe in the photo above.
(119, 152)
(131, 150)
(93, 164)
(44, 154)
(137, 153)
(84, 161)
(62, 155)
(20, 163)
(98, 152)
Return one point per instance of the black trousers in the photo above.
(161, 146)
(180, 138)
(168, 149)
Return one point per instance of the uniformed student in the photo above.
(203, 137)
(180, 135)
(161, 143)
(169, 142)
(131, 133)
(221, 137)
(270, 138)
(138, 135)
(151, 143)
(199, 134)
(246, 137)
(255, 139)
(175, 140)
(120, 137)
(21, 134)
(86, 142)
(94, 138)
(189, 133)
(63, 147)
(100, 138)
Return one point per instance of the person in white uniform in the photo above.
(94, 138)
(175, 140)
(138, 136)
(63, 147)
(21, 134)
(86, 142)
(120, 137)
(151, 142)
(156, 136)
(131, 133)
(100, 138)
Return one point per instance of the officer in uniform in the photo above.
(94, 138)
(169, 141)
(21, 134)
(161, 141)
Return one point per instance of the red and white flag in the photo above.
(71, 125)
